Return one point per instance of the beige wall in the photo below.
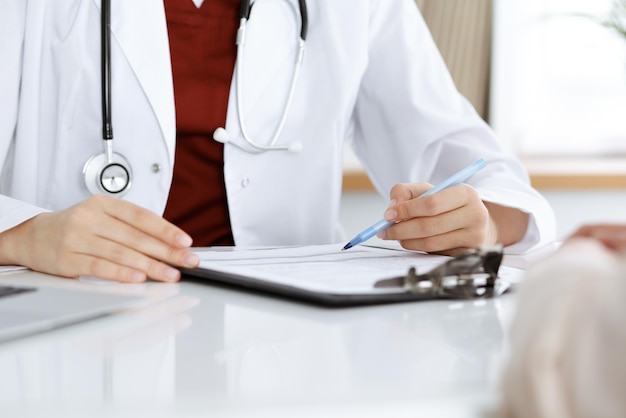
(462, 31)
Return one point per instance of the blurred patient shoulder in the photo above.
(568, 337)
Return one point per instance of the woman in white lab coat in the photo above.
(371, 74)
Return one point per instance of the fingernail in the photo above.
(192, 260)
(382, 235)
(390, 214)
(171, 273)
(184, 240)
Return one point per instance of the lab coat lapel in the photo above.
(140, 28)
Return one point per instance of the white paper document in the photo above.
(324, 268)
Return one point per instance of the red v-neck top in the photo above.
(203, 51)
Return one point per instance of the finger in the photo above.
(124, 258)
(599, 230)
(87, 265)
(468, 225)
(140, 242)
(612, 236)
(147, 221)
(438, 203)
(445, 244)
(402, 192)
(473, 222)
(424, 227)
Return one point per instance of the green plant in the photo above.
(616, 19)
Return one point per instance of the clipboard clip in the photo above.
(469, 275)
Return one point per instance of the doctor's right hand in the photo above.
(102, 236)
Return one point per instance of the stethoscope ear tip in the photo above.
(221, 135)
(295, 147)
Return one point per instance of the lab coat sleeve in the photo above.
(12, 21)
(411, 123)
(12, 17)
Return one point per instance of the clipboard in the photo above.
(363, 276)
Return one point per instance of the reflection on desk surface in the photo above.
(216, 347)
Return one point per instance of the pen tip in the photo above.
(347, 247)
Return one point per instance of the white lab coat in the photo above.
(371, 75)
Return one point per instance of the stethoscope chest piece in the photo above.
(107, 175)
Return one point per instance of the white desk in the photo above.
(214, 351)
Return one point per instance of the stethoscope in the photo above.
(220, 134)
(109, 172)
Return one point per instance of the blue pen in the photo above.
(453, 180)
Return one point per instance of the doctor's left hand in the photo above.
(451, 221)
(102, 236)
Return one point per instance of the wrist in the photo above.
(508, 225)
(12, 247)
(7, 247)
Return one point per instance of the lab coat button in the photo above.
(245, 182)
(156, 168)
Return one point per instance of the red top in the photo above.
(203, 51)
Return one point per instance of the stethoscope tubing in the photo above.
(241, 40)
(246, 6)
(111, 158)
(107, 172)
(287, 105)
(105, 27)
